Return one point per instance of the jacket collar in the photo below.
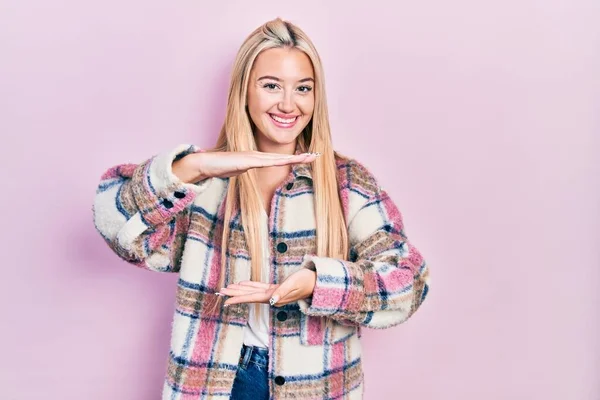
(302, 170)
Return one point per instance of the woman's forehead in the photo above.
(283, 63)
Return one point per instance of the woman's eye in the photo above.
(273, 86)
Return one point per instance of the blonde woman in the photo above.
(284, 248)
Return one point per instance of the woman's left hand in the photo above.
(297, 286)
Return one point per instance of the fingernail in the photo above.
(219, 294)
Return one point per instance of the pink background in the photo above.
(482, 120)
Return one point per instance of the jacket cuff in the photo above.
(158, 193)
(338, 290)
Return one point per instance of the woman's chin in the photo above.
(281, 137)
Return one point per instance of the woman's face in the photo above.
(281, 98)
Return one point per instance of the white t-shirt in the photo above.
(256, 332)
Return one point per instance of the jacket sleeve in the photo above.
(386, 279)
(143, 210)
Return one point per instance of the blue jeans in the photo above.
(251, 381)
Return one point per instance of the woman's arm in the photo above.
(142, 211)
(386, 279)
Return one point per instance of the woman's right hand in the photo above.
(202, 165)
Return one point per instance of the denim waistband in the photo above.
(255, 354)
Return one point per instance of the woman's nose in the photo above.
(286, 105)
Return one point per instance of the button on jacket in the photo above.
(154, 221)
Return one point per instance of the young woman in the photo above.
(284, 248)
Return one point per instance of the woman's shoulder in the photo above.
(353, 175)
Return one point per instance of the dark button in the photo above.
(289, 186)
(167, 204)
(179, 195)
(282, 247)
(280, 380)
(282, 315)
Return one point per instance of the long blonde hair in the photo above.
(237, 135)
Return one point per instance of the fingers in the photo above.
(285, 298)
(247, 292)
(251, 285)
(256, 284)
(296, 159)
(279, 156)
(235, 289)
(258, 297)
(258, 159)
(238, 292)
(297, 286)
(284, 290)
(302, 158)
(261, 154)
(227, 164)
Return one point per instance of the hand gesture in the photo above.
(202, 165)
(297, 286)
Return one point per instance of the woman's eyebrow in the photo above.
(279, 80)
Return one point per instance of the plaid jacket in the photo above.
(156, 222)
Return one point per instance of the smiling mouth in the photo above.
(284, 122)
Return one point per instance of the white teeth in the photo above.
(283, 121)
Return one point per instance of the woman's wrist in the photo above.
(185, 169)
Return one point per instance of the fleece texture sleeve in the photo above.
(384, 282)
(143, 210)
